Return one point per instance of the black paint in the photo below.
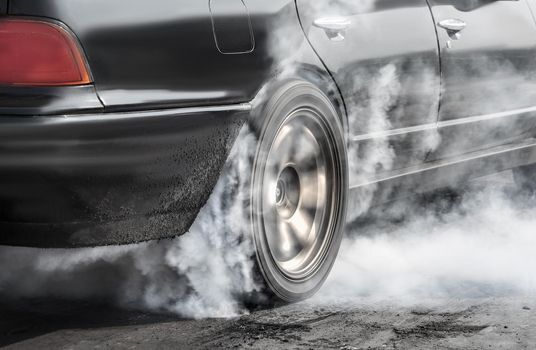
(103, 180)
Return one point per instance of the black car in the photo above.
(117, 117)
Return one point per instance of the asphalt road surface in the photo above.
(345, 324)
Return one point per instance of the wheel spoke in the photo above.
(306, 151)
(284, 147)
(290, 241)
(302, 224)
(309, 182)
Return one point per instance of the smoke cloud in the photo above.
(479, 245)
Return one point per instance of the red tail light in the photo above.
(39, 53)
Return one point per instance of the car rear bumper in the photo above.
(110, 178)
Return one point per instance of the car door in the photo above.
(383, 55)
(488, 51)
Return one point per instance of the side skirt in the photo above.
(447, 172)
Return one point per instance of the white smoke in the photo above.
(363, 166)
(482, 246)
(208, 272)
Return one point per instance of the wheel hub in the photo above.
(287, 192)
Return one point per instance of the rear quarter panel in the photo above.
(163, 53)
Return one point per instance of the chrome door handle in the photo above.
(453, 27)
(335, 27)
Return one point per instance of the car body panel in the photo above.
(489, 69)
(37, 101)
(158, 54)
(124, 177)
(442, 173)
(164, 54)
(388, 81)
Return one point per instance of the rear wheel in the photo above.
(299, 190)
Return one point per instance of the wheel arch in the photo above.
(310, 73)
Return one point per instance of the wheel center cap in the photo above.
(287, 192)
